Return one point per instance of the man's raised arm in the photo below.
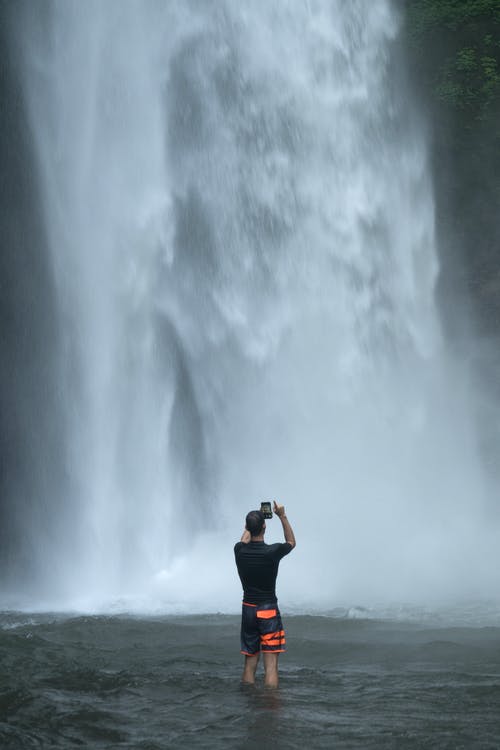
(287, 529)
(245, 537)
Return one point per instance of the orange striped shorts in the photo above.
(261, 629)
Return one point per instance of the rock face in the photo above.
(455, 56)
(28, 330)
(454, 53)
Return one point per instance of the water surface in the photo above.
(167, 682)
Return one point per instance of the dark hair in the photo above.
(254, 522)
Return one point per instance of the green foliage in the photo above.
(469, 81)
(456, 46)
(429, 15)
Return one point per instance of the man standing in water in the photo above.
(261, 626)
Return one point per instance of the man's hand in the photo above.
(279, 509)
(287, 529)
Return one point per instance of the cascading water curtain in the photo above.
(239, 212)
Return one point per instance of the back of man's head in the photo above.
(254, 522)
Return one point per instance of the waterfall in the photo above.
(240, 217)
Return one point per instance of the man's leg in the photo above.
(250, 668)
(271, 669)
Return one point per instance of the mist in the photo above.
(238, 228)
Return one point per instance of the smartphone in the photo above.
(266, 510)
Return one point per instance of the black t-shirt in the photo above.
(257, 564)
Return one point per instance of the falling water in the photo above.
(240, 218)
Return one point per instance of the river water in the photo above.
(348, 680)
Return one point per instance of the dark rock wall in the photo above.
(454, 48)
(31, 466)
(454, 58)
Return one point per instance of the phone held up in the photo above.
(266, 510)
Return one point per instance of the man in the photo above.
(261, 626)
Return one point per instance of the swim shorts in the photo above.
(261, 629)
